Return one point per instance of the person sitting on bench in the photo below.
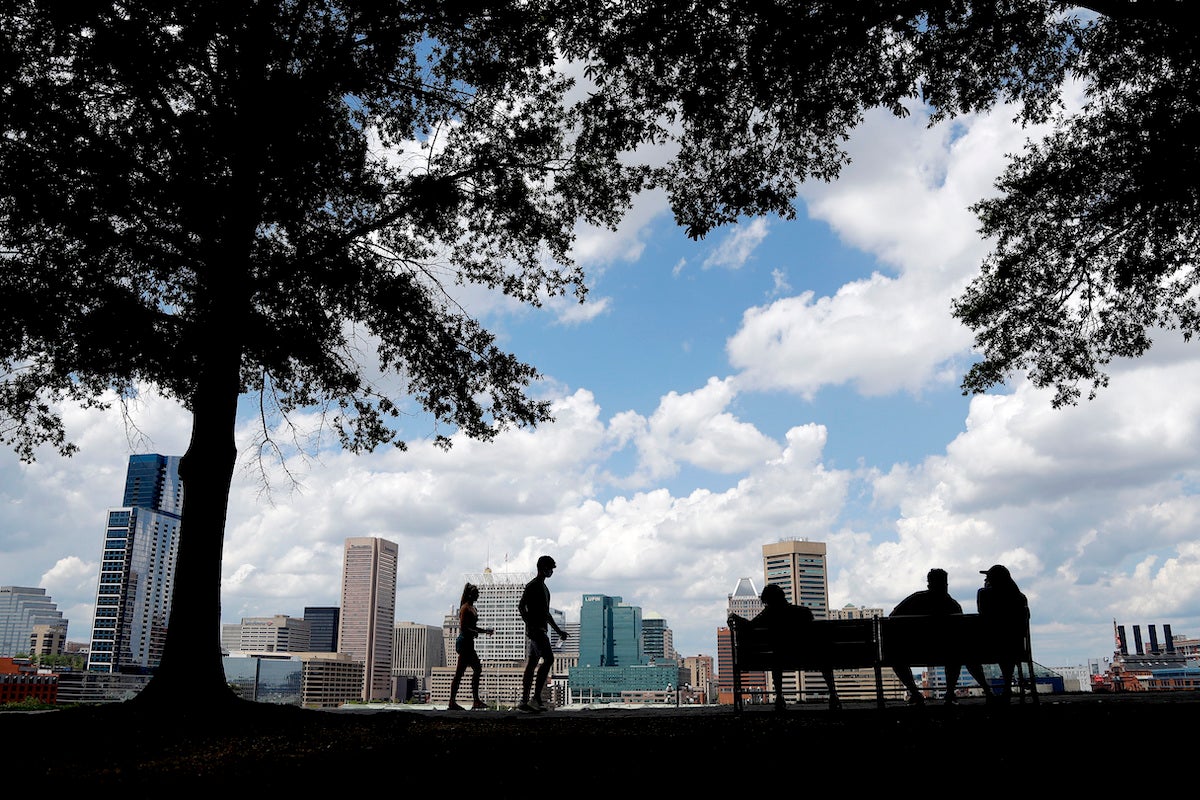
(785, 623)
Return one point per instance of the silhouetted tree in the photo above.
(1096, 226)
(277, 197)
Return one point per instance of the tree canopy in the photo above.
(281, 197)
(1095, 227)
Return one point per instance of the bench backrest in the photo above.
(831, 643)
(950, 638)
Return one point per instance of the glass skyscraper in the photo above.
(610, 632)
(22, 607)
(137, 568)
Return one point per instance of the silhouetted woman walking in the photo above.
(464, 645)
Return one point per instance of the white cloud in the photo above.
(738, 245)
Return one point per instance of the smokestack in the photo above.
(1153, 640)
(1121, 638)
(1168, 640)
(1137, 639)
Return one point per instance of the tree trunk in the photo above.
(191, 670)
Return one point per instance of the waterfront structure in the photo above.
(368, 612)
(265, 677)
(1151, 666)
(137, 568)
(311, 680)
(276, 634)
(592, 685)
(851, 611)
(22, 609)
(323, 628)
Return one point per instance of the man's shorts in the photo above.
(539, 645)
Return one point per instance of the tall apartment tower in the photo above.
(368, 612)
(137, 568)
(22, 608)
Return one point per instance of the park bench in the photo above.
(877, 643)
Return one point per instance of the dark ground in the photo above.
(1063, 743)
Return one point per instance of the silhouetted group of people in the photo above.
(534, 608)
(999, 602)
(1004, 609)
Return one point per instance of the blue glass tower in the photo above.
(137, 568)
(610, 632)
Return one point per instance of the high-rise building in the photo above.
(322, 627)
(21, 609)
(798, 565)
(137, 568)
(368, 611)
(611, 660)
(419, 648)
(499, 594)
(700, 675)
(610, 632)
(658, 640)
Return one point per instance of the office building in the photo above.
(322, 628)
(48, 640)
(22, 608)
(798, 565)
(368, 611)
(499, 594)
(745, 602)
(418, 650)
(701, 677)
(137, 568)
(612, 665)
(276, 634)
(610, 632)
(658, 640)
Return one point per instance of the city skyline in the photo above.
(778, 379)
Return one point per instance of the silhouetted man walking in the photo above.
(534, 609)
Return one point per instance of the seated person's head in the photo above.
(938, 579)
(773, 595)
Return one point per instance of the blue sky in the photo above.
(778, 379)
